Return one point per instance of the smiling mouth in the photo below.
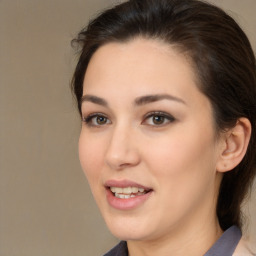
(128, 192)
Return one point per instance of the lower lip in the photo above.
(128, 203)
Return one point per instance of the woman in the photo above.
(166, 91)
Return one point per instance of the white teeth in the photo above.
(122, 196)
(117, 190)
(128, 192)
(135, 190)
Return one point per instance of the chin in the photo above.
(129, 228)
(127, 234)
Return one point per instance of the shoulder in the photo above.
(245, 247)
(119, 250)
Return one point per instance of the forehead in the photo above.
(136, 63)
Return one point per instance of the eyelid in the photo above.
(167, 116)
(88, 118)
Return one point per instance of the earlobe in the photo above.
(236, 142)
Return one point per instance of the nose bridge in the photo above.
(122, 150)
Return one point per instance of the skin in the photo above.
(177, 159)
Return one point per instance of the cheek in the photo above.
(183, 157)
(91, 157)
(184, 169)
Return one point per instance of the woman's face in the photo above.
(148, 145)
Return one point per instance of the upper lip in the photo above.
(124, 184)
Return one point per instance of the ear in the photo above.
(234, 144)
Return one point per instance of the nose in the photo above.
(122, 151)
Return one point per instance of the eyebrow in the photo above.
(94, 99)
(138, 101)
(156, 97)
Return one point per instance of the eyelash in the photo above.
(164, 118)
(88, 120)
(167, 118)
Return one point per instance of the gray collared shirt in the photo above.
(224, 246)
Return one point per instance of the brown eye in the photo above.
(100, 120)
(96, 119)
(158, 120)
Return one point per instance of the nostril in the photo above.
(122, 161)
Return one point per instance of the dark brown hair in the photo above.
(223, 60)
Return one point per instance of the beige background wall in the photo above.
(45, 205)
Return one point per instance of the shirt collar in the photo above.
(227, 243)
